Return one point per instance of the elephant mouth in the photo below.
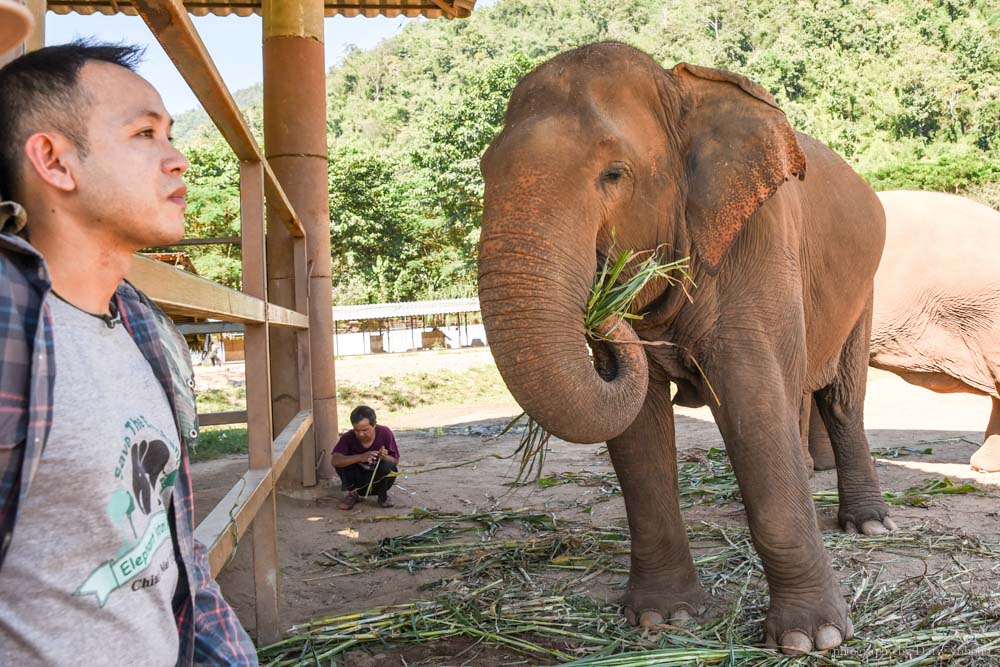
(604, 359)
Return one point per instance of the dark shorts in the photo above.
(356, 478)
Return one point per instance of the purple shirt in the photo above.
(349, 445)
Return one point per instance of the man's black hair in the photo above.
(361, 413)
(39, 92)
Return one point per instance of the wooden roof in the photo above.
(412, 8)
(179, 259)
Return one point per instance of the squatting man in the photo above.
(365, 458)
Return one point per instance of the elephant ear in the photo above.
(741, 148)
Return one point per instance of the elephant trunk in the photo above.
(533, 290)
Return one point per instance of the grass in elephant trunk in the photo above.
(522, 593)
(611, 300)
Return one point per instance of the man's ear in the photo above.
(49, 156)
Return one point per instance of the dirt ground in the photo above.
(310, 523)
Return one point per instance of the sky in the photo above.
(233, 42)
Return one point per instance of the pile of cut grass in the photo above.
(706, 477)
(515, 593)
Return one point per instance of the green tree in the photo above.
(213, 211)
(454, 142)
(906, 90)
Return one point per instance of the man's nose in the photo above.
(176, 163)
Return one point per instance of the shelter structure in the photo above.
(398, 327)
(285, 301)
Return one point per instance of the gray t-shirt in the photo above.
(90, 573)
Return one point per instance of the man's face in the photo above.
(130, 182)
(364, 431)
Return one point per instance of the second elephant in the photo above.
(936, 320)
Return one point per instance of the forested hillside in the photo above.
(908, 91)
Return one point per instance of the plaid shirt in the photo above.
(210, 633)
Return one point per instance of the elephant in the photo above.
(936, 318)
(604, 149)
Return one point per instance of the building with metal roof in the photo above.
(385, 311)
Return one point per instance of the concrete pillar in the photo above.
(295, 146)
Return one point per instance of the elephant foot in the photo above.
(987, 457)
(823, 460)
(865, 517)
(656, 606)
(805, 622)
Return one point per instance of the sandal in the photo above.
(350, 500)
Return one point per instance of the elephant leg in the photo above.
(987, 457)
(760, 422)
(663, 584)
(841, 405)
(804, 417)
(820, 447)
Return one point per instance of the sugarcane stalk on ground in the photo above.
(911, 622)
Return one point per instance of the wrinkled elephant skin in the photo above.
(602, 144)
(936, 321)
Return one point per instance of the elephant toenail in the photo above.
(850, 528)
(828, 637)
(650, 619)
(630, 616)
(890, 524)
(680, 616)
(795, 642)
(873, 528)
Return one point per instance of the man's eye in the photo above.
(147, 133)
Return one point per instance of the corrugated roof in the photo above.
(412, 8)
(386, 311)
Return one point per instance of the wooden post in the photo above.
(306, 458)
(295, 143)
(36, 39)
(259, 438)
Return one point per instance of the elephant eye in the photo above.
(613, 174)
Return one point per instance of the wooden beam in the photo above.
(222, 418)
(447, 8)
(170, 23)
(286, 317)
(258, 372)
(308, 464)
(198, 328)
(36, 39)
(288, 441)
(180, 292)
(229, 520)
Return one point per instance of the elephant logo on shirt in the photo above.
(148, 461)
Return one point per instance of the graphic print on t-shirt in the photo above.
(144, 474)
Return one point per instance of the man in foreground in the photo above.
(98, 563)
(365, 458)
